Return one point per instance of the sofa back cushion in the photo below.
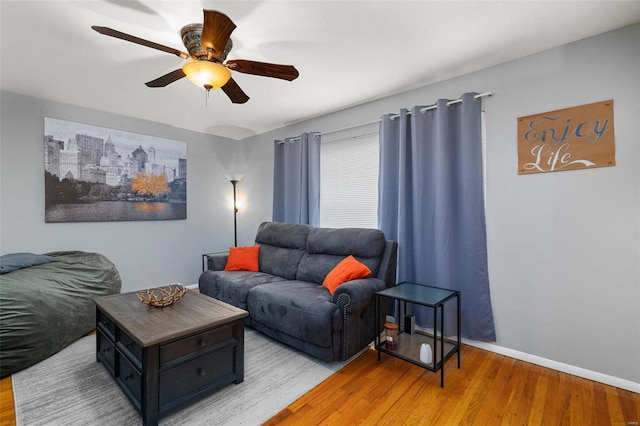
(282, 245)
(327, 247)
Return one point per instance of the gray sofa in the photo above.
(286, 299)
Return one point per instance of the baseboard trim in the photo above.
(192, 286)
(559, 366)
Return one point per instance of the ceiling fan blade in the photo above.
(234, 92)
(166, 79)
(133, 39)
(285, 72)
(216, 30)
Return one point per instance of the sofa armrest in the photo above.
(217, 261)
(355, 300)
(357, 293)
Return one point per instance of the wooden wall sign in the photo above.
(573, 138)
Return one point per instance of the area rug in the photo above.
(71, 388)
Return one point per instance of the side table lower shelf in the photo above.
(409, 349)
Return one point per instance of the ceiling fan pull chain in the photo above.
(208, 87)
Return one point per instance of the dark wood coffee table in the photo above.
(165, 358)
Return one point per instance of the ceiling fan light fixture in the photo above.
(207, 74)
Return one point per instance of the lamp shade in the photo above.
(209, 75)
(237, 177)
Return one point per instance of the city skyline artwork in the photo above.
(95, 173)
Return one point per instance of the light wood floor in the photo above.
(490, 389)
(7, 413)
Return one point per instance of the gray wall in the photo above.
(564, 247)
(148, 253)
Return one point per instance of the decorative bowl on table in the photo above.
(162, 296)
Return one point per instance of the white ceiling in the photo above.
(347, 52)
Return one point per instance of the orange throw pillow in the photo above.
(243, 259)
(347, 270)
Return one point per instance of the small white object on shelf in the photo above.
(426, 355)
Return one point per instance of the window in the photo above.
(349, 182)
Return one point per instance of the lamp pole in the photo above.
(234, 178)
(235, 213)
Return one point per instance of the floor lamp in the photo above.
(234, 178)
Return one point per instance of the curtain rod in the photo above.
(455, 101)
(422, 110)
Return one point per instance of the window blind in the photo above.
(349, 182)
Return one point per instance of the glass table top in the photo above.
(418, 293)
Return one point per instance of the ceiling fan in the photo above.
(208, 45)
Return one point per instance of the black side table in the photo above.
(205, 261)
(408, 345)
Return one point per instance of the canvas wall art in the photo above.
(98, 174)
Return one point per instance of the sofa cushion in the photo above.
(347, 270)
(300, 309)
(327, 247)
(232, 287)
(282, 247)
